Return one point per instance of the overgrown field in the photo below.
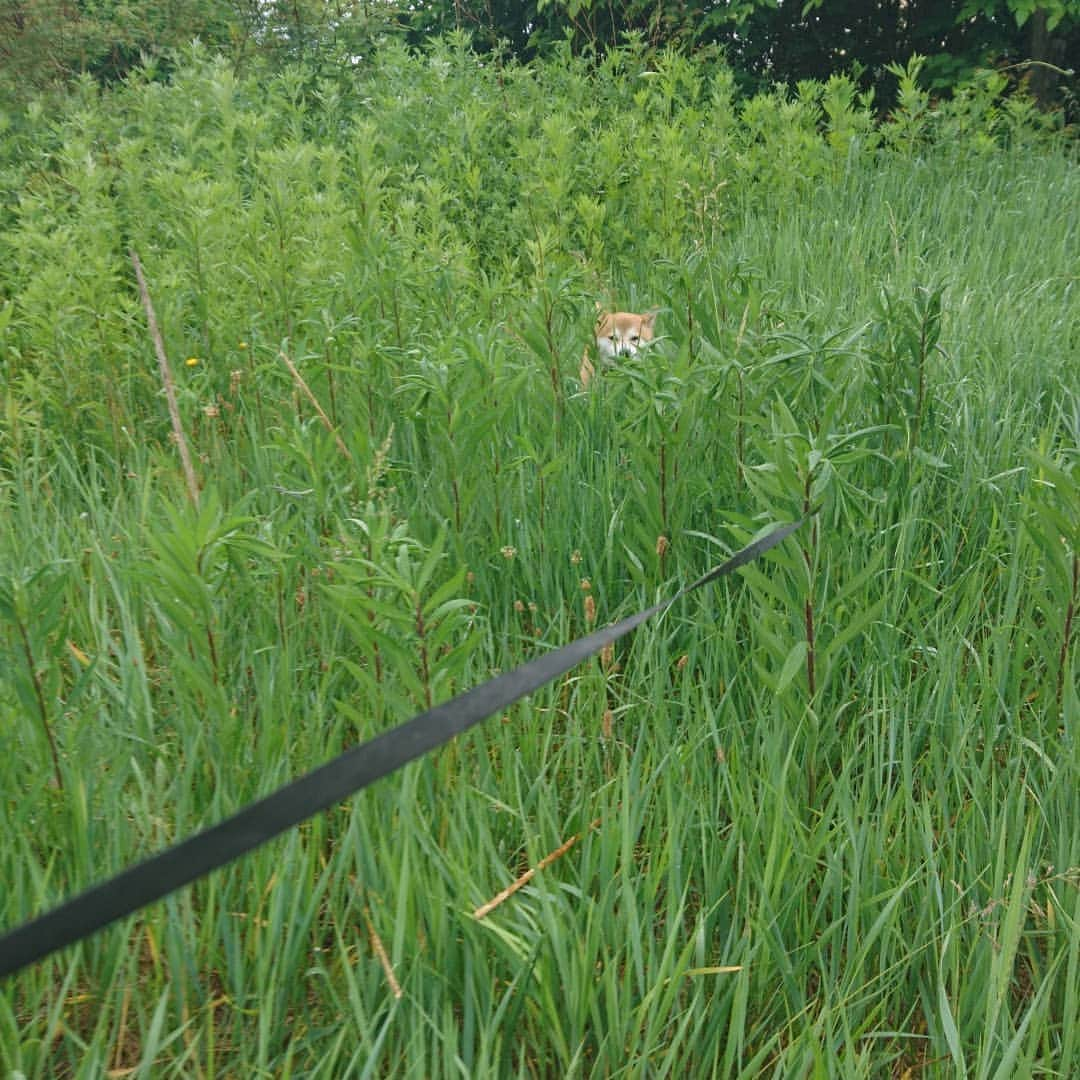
(828, 810)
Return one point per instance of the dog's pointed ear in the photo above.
(649, 318)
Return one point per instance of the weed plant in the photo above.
(827, 814)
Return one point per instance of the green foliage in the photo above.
(47, 44)
(834, 800)
(906, 338)
(412, 635)
(1053, 524)
(31, 607)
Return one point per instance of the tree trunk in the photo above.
(1044, 49)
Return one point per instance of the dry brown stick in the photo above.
(380, 952)
(299, 380)
(547, 860)
(121, 1036)
(167, 380)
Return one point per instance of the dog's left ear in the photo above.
(649, 318)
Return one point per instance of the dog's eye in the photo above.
(635, 337)
(611, 337)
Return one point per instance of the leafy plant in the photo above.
(1052, 521)
(415, 636)
(824, 813)
(904, 338)
(32, 607)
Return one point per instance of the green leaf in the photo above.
(793, 664)
(948, 1026)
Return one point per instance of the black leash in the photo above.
(319, 789)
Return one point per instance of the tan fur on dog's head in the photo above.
(618, 333)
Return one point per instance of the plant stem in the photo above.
(425, 669)
(1070, 611)
(921, 390)
(663, 486)
(39, 694)
(808, 614)
(167, 381)
(302, 385)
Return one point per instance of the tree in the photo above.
(1052, 34)
(956, 37)
(45, 43)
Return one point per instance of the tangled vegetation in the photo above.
(826, 814)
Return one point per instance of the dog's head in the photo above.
(622, 333)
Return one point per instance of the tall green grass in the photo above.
(849, 776)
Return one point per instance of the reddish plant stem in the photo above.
(39, 694)
(1070, 611)
(425, 669)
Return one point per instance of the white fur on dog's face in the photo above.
(621, 333)
(618, 333)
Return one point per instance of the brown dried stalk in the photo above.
(167, 381)
(299, 380)
(380, 952)
(547, 860)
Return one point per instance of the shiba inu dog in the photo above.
(618, 333)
